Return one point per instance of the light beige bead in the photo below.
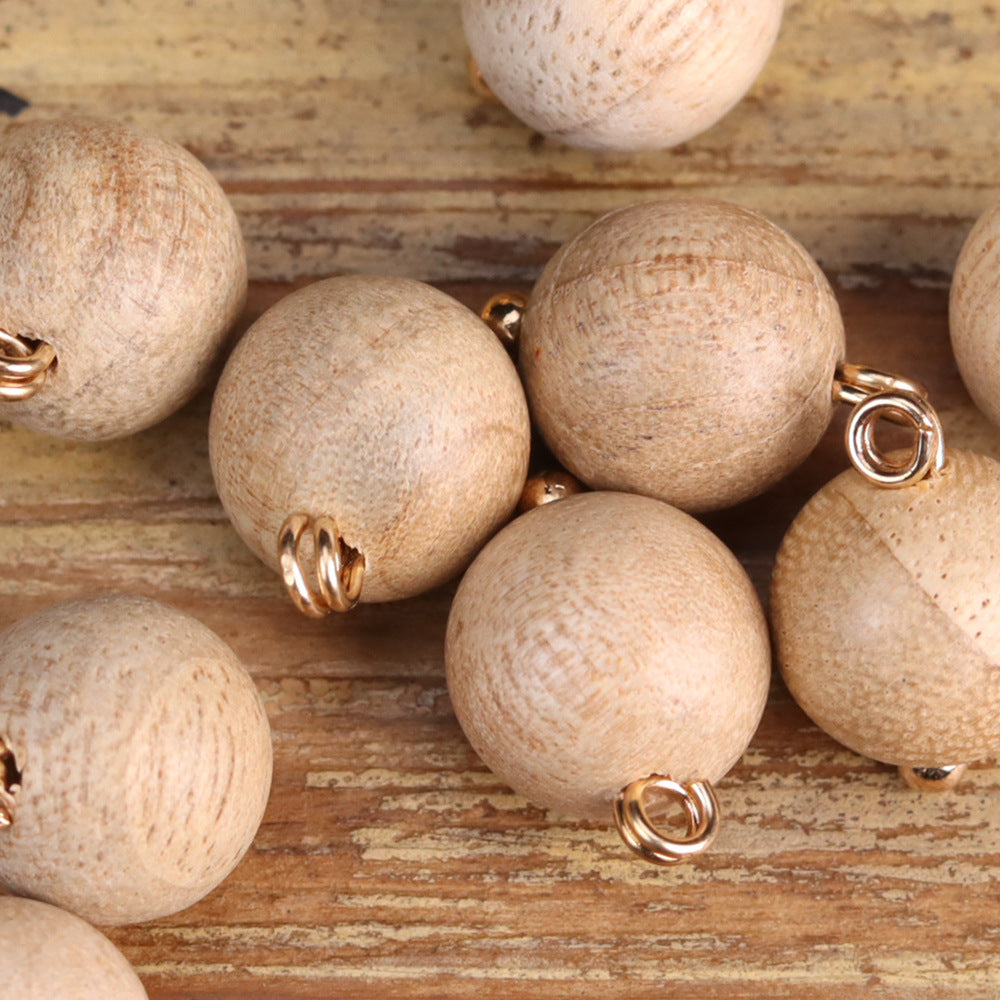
(886, 610)
(144, 754)
(682, 349)
(629, 75)
(975, 313)
(601, 639)
(48, 954)
(122, 251)
(384, 404)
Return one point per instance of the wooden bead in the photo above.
(975, 313)
(682, 349)
(384, 404)
(886, 610)
(49, 954)
(601, 639)
(144, 757)
(122, 251)
(639, 74)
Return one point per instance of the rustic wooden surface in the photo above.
(390, 863)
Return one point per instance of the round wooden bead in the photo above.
(887, 615)
(122, 251)
(975, 313)
(601, 639)
(683, 349)
(49, 954)
(144, 757)
(639, 74)
(384, 404)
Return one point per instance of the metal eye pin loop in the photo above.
(877, 395)
(24, 366)
(641, 834)
(339, 568)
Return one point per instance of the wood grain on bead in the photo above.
(122, 251)
(975, 313)
(49, 954)
(682, 349)
(384, 404)
(886, 610)
(632, 75)
(144, 754)
(601, 639)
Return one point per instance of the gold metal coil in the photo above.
(875, 396)
(339, 569)
(504, 314)
(24, 366)
(640, 833)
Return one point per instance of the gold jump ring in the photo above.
(701, 810)
(339, 568)
(24, 366)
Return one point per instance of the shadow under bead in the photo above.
(121, 254)
(381, 406)
(49, 954)
(682, 349)
(628, 76)
(142, 756)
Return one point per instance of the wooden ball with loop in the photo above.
(367, 437)
(886, 619)
(122, 268)
(605, 654)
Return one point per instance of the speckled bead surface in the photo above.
(682, 349)
(975, 313)
(601, 639)
(384, 404)
(49, 954)
(886, 612)
(625, 75)
(121, 250)
(144, 754)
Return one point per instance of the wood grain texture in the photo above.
(626, 76)
(601, 640)
(670, 334)
(143, 756)
(122, 252)
(391, 864)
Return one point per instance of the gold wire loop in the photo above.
(10, 785)
(933, 779)
(927, 455)
(24, 366)
(339, 568)
(478, 82)
(853, 384)
(701, 810)
(504, 314)
(877, 395)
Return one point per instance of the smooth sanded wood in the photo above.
(384, 404)
(683, 349)
(629, 75)
(120, 250)
(602, 639)
(48, 954)
(143, 754)
(886, 614)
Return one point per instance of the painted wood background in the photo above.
(390, 862)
